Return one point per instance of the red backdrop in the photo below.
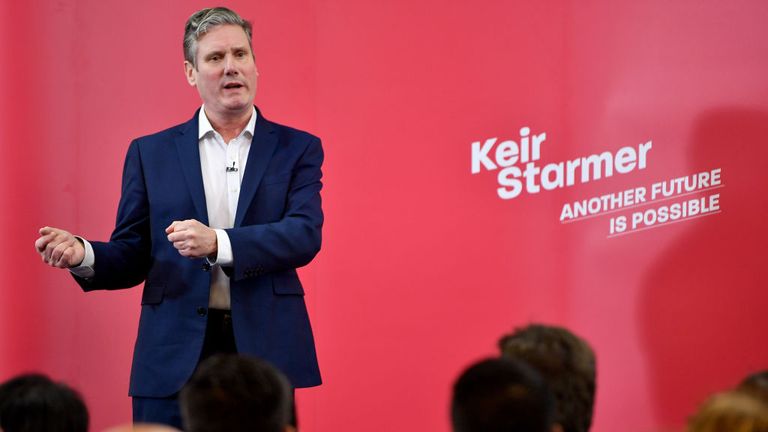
(423, 265)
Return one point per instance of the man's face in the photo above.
(226, 73)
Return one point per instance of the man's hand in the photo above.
(192, 239)
(59, 248)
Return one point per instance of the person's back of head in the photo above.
(34, 403)
(566, 362)
(756, 384)
(501, 395)
(142, 427)
(236, 393)
(734, 411)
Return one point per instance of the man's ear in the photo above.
(190, 73)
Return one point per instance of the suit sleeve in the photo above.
(295, 239)
(124, 261)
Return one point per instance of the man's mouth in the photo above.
(233, 85)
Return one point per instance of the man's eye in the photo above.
(214, 58)
(241, 54)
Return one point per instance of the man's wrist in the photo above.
(85, 268)
(82, 245)
(223, 254)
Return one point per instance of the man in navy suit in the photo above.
(215, 216)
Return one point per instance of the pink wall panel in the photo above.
(423, 265)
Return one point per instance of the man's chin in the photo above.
(237, 108)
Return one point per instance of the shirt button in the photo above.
(201, 311)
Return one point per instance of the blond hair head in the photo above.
(733, 411)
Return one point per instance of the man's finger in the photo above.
(188, 253)
(51, 244)
(172, 227)
(177, 236)
(44, 239)
(58, 251)
(47, 235)
(180, 245)
(66, 258)
(48, 251)
(40, 244)
(59, 260)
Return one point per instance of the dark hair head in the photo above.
(34, 403)
(501, 395)
(236, 393)
(756, 384)
(566, 362)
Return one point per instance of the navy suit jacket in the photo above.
(277, 229)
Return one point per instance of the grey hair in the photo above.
(202, 21)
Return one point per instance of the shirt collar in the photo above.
(205, 127)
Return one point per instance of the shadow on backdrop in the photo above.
(703, 305)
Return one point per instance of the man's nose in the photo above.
(229, 65)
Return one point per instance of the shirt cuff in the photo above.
(85, 269)
(224, 254)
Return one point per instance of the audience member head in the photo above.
(32, 403)
(142, 427)
(734, 411)
(756, 384)
(566, 362)
(236, 393)
(501, 395)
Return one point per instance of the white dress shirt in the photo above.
(222, 165)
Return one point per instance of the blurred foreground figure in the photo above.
(236, 394)
(501, 395)
(34, 403)
(566, 362)
(756, 384)
(734, 411)
(142, 427)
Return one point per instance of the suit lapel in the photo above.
(263, 146)
(187, 144)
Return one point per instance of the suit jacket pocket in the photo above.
(153, 294)
(287, 283)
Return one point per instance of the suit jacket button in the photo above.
(206, 266)
(202, 311)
